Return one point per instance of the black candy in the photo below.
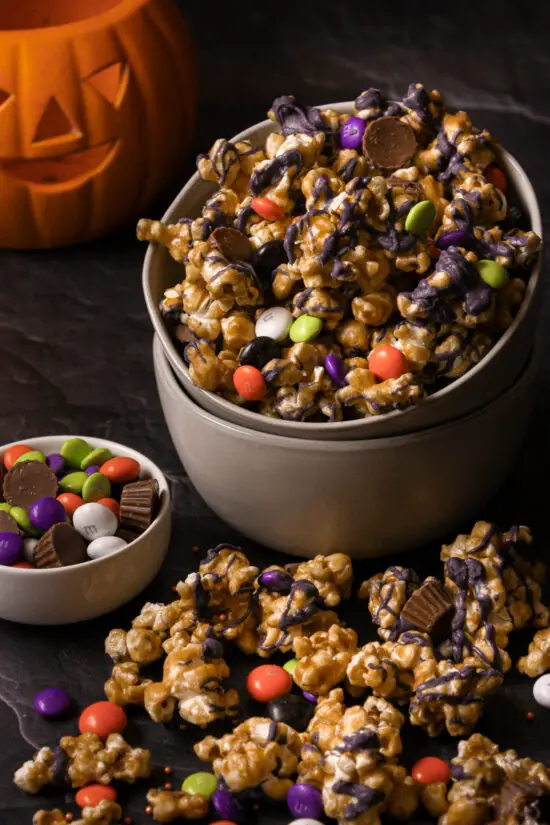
(259, 352)
(267, 258)
(515, 219)
(292, 710)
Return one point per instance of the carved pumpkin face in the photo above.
(93, 119)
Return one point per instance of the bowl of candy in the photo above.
(367, 497)
(84, 527)
(353, 271)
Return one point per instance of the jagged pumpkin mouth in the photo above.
(73, 167)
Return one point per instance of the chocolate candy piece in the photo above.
(259, 352)
(56, 462)
(7, 523)
(138, 504)
(61, 546)
(52, 702)
(231, 244)
(292, 710)
(46, 512)
(267, 258)
(27, 482)
(127, 535)
(429, 609)
(59, 767)
(11, 548)
(389, 143)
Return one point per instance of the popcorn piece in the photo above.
(332, 576)
(36, 772)
(170, 805)
(387, 594)
(388, 669)
(537, 660)
(125, 685)
(371, 398)
(323, 658)
(105, 812)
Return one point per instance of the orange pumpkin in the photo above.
(97, 110)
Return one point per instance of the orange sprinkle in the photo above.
(167, 786)
(69, 817)
(195, 548)
(149, 809)
(174, 587)
(168, 770)
(530, 715)
(222, 617)
(128, 820)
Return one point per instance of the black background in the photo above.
(75, 340)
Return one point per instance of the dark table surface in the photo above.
(75, 339)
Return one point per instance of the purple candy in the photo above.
(11, 548)
(352, 133)
(304, 801)
(309, 696)
(336, 369)
(91, 470)
(52, 702)
(456, 238)
(55, 462)
(228, 806)
(45, 512)
(278, 581)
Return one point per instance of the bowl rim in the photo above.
(179, 365)
(164, 496)
(527, 374)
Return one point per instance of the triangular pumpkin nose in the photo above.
(53, 123)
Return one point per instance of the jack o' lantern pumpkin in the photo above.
(97, 110)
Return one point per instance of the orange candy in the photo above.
(387, 362)
(102, 718)
(223, 822)
(24, 564)
(268, 682)
(120, 470)
(430, 769)
(12, 454)
(112, 504)
(249, 383)
(70, 502)
(496, 176)
(267, 209)
(92, 795)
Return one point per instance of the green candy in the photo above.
(420, 217)
(305, 328)
(98, 456)
(201, 783)
(20, 515)
(73, 482)
(290, 666)
(74, 451)
(492, 273)
(95, 487)
(32, 455)
(5, 507)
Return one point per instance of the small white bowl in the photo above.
(65, 595)
(493, 375)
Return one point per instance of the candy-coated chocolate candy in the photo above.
(95, 487)
(121, 470)
(458, 237)
(420, 217)
(430, 769)
(305, 328)
(292, 710)
(21, 517)
(5, 507)
(46, 512)
(102, 718)
(259, 351)
(70, 502)
(266, 208)
(274, 323)
(52, 702)
(24, 565)
(227, 805)
(32, 455)
(290, 666)
(73, 482)
(305, 822)
(311, 697)
(351, 134)
(55, 462)
(304, 800)
(541, 690)
(74, 451)
(249, 383)
(112, 504)
(29, 547)
(91, 795)
(93, 468)
(387, 362)
(11, 548)
(493, 273)
(104, 546)
(223, 822)
(93, 521)
(12, 454)
(268, 682)
(267, 258)
(277, 581)
(96, 458)
(336, 369)
(202, 783)
(496, 176)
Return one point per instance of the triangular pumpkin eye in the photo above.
(108, 81)
(53, 123)
(4, 96)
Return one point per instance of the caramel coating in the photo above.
(170, 805)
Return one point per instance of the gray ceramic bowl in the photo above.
(366, 498)
(494, 374)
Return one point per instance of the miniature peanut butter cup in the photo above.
(429, 609)
(138, 504)
(7, 523)
(231, 244)
(389, 143)
(127, 535)
(27, 482)
(60, 546)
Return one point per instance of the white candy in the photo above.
(541, 690)
(93, 521)
(29, 547)
(274, 323)
(104, 546)
(305, 822)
